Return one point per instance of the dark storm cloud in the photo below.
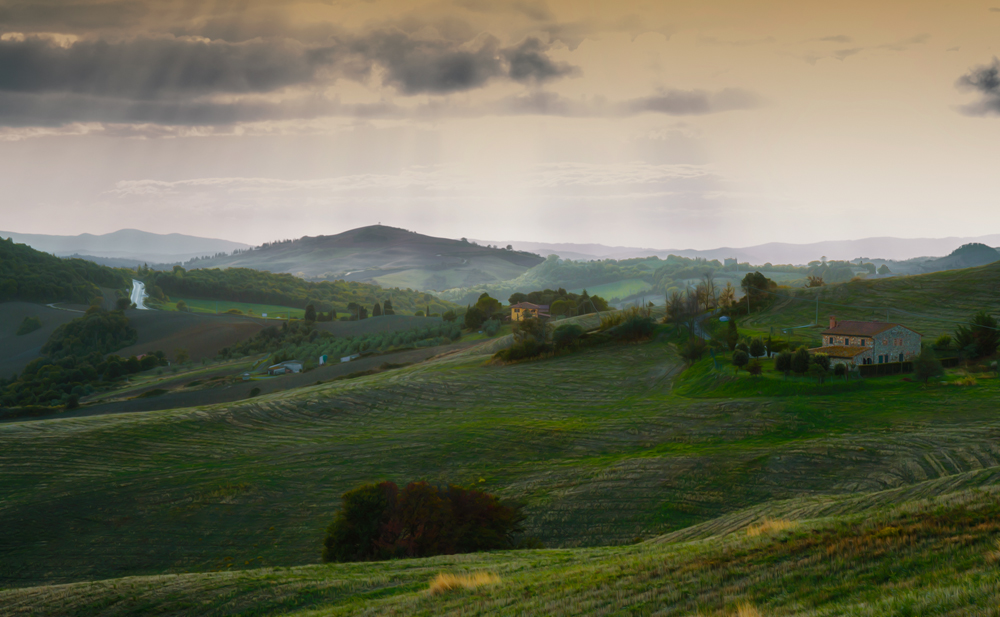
(173, 75)
(436, 66)
(528, 62)
(984, 80)
(147, 68)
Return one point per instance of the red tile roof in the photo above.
(840, 351)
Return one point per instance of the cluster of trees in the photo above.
(34, 276)
(255, 286)
(380, 521)
(562, 302)
(74, 362)
(533, 337)
(300, 340)
(484, 310)
(980, 338)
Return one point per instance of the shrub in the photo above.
(635, 328)
(754, 367)
(522, 350)
(743, 347)
(566, 335)
(943, 341)
(926, 365)
(181, 305)
(822, 360)
(800, 360)
(378, 521)
(740, 359)
(491, 327)
(693, 350)
(783, 362)
(817, 371)
(757, 348)
(254, 392)
(30, 324)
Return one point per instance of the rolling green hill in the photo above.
(598, 444)
(389, 256)
(34, 276)
(932, 556)
(932, 304)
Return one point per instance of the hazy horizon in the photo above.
(638, 125)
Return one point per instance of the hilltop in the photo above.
(388, 256)
(126, 247)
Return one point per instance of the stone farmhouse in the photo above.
(527, 310)
(868, 342)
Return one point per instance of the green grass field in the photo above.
(247, 308)
(932, 304)
(221, 510)
(930, 555)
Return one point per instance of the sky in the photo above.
(658, 124)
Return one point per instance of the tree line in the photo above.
(34, 276)
(261, 287)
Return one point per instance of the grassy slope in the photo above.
(933, 556)
(928, 303)
(597, 443)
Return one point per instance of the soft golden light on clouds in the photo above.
(665, 124)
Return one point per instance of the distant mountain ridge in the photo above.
(883, 248)
(389, 256)
(127, 244)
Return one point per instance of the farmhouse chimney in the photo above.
(833, 321)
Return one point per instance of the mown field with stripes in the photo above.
(935, 555)
(933, 304)
(598, 444)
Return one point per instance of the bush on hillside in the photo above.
(926, 365)
(567, 335)
(30, 324)
(635, 328)
(693, 349)
(521, 350)
(740, 359)
(491, 327)
(783, 362)
(379, 521)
